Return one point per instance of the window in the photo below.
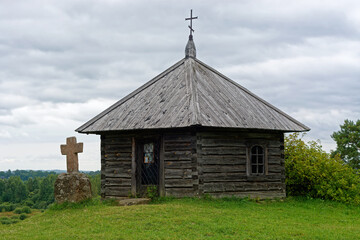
(257, 160)
(149, 153)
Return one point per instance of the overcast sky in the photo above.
(63, 62)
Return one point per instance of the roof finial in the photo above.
(190, 50)
(191, 18)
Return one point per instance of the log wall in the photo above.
(180, 164)
(197, 162)
(224, 163)
(115, 165)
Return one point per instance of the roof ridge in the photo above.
(194, 104)
(253, 95)
(127, 97)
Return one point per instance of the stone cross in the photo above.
(71, 150)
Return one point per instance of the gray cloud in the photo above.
(62, 62)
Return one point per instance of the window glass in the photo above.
(260, 159)
(254, 169)
(257, 160)
(148, 153)
(261, 169)
(253, 150)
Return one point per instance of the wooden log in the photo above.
(180, 192)
(227, 142)
(178, 164)
(224, 160)
(224, 177)
(117, 191)
(170, 147)
(118, 165)
(178, 183)
(178, 173)
(223, 168)
(121, 182)
(256, 194)
(242, 186)
(118, 155)
(223, 151)
(133, 167)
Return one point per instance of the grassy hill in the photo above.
(194, 219)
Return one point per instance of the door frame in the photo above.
(136, 187)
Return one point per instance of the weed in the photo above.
(152, 192)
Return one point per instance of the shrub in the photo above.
(311, 172)
(26, 209)
(7, 207)
(6, 220)
(18, 210)
(23, 216)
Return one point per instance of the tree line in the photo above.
(36, 191)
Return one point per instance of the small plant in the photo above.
(152, 192)
(207, 196)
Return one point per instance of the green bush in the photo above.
(18, 210)
(7, 207)
(26, 209)
(311, 172)
(6, 220)
(23, 216)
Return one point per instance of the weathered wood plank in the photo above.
(162, 169)
(178, 164)
(242, 186)
(254, 194)
(117, 191)
(226, 142)
(178, 173)
(223, 151)
(180, 192)
(133, 167)
(118, 155)
(224, 160)
(223, 168)
(188, 146)
(178, 183)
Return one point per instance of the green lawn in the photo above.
(195, 219)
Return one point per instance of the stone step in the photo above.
(133, 201)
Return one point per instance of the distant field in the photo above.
(195, 219)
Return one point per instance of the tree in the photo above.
(348, 143)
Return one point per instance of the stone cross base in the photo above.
(72, 187)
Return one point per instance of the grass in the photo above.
(294, 218)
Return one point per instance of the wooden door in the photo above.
(148, 161)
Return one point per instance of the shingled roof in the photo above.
(190, 93)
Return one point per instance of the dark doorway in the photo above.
(148, 159)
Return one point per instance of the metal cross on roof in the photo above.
(191, 18)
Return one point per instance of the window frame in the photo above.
(249, 147)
